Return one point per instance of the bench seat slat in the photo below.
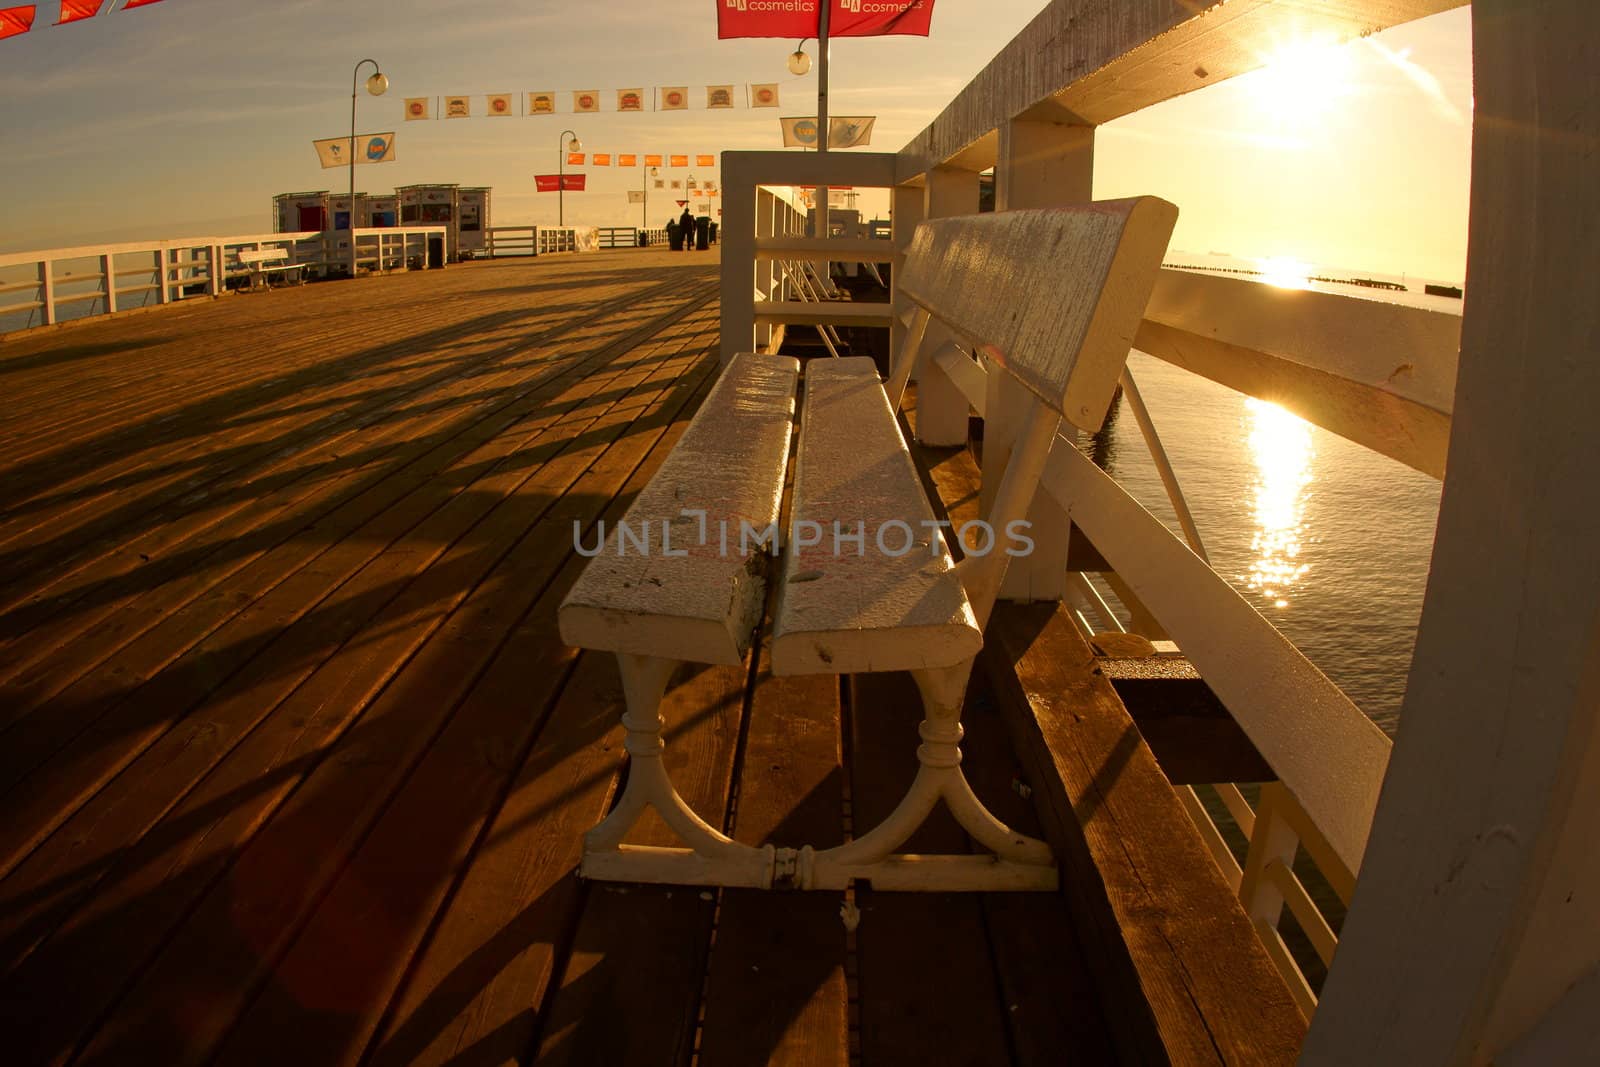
(701, 607)
(842, 610)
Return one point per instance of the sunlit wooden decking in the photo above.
(295, 766)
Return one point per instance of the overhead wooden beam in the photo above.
(1086, 62)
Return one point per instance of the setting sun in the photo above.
(1303, 80)
(1285, 273)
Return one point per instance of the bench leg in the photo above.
(711, 858)
(1019, 862)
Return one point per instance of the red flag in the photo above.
(138, 3)
(846, 18)
(734, 19)
(74, 10)
(15, 20)
(855, 18)
(549, 183)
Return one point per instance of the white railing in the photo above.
(1379, 374)
(540, 240)
(61, 284)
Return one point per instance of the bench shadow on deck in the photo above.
(295, 765)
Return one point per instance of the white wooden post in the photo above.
(214, 271)
(1475, 926)
(1040, 164)
(47, 282)
(738, 252)
(768, 222)
(942, 408)
(906, 210)
(109, 271)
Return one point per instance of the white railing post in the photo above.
(47, 282)
(214, 271)
(769, 275)
(942, 407)
(163, 292)
(738, 254)
(1271, 858)
(109, 271)
(905, 211)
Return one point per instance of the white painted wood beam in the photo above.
(1478, 908)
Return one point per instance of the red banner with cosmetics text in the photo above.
(550, 183)
(797, 19)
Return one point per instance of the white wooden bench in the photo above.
(868, 582)
(260, 262)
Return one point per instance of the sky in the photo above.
(185, 117)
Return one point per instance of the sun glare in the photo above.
(1303, 81)
(1285, 273)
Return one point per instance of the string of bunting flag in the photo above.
(637, 159)
(17, 20)
(587, 101)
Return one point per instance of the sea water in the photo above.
(1329, 541)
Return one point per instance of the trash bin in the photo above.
(702, 232)
(435, 253)
(674, 236)
(644, 239)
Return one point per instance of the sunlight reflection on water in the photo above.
(1280, 444)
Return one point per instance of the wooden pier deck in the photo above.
(295, 765)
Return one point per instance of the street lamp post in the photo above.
(377, 85)
(561, 172)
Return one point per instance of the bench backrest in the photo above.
(1053, 295)
(263, 255)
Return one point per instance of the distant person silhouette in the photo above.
(686, 224)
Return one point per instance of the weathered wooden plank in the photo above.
(699, 601)
(1184, 974)
(630, 987)
(776, 989)
(119, 814)
(884, 601)
(120, 736)
(123, 606)
(1049, 992)
(214, 503)
(355, 949)
(133, 890)
(1187, 728)
(239, 928)
(272, 378)
(927, 983)
(1076, 282)
(1051, 995)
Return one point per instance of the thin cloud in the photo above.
(1422, 79)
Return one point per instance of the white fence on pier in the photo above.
(60, 284)
(540, 240)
